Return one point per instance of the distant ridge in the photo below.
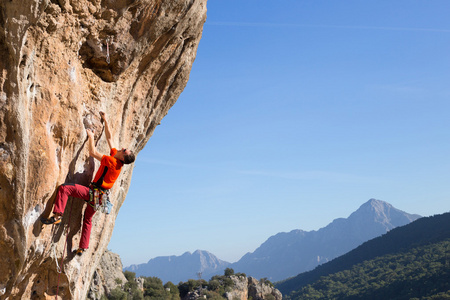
(421, 232)
(285, 254)
(181, 268)
(288, 254)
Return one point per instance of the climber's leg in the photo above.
(87, 225)
(66, 190)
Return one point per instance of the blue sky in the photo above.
(296, 113)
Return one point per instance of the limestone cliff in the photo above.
(244, 288)
(251, 288)
(107, 277)
(61, 62)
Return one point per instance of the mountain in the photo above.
(409, 259)
(287, 254)
(181, 268)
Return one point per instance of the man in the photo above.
(107, 174)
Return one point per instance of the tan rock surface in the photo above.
(54, 79)
(250, 288)
(107, 277)
(259, 290)
(240, 288)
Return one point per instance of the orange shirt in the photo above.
(109, 170)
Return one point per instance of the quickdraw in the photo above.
(58, 268)
(108, 40)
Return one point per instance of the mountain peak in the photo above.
(201, 252)
(382, 213)
(379, 207)
(181, 268)
(375, 203)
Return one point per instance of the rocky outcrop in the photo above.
(107, 277)
(241, 288)
(250, 288)
(259, 290)
(62, 61)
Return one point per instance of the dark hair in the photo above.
(130, 158)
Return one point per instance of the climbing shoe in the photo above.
(80, 251)
(53, 220)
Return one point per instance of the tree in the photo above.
(117, 294)
(213, 285)
(129, 275)
(172, 291)
(153, 287)
(229, 272)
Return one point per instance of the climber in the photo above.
(109, 170)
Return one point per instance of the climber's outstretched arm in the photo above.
(107, 130)
(92, 151)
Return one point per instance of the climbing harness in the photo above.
(99, 199)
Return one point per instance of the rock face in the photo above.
(62, 61)
(181, 268)
(107, 277)
(260, 290)
(240, 288)
(250, 288)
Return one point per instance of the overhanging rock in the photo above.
(61, 62)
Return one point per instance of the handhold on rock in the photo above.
(93, 123)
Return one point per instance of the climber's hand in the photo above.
(92, 151)
(90, 133)
(107, 130)
(103, 115)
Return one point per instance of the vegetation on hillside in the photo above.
(409, 262)
(153, 288)
(420, 273)
(424, 231)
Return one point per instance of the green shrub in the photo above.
(212, 295)
(229, 272)
(117, 294)
(129, 275)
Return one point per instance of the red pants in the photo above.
(77, 191)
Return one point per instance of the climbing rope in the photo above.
(58, 269)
